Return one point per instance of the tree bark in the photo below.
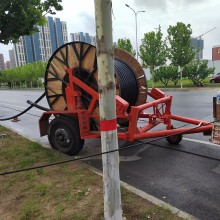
(107, 108)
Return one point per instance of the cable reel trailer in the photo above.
(71, 86)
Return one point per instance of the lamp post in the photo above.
(135, 13)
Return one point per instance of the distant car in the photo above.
(215, 79)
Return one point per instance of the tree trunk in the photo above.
(181, 76)
(152, 76)
(107, 109)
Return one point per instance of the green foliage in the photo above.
(28, 208)
(20, 17)
(29, 75)
(174, 76)
(153, 51)
(126, 45)
(180, 51)
(165, 74)
(197, 70)
(1, 77)
(41, 189)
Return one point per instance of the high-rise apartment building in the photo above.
(93, 40)
(2, 62)
(7, 65)
(84, 37)
(12, 58)
(64, 31)
(74, 37)
(42, 44)
(198, 45)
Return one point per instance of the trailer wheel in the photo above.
(64, 136)
(174, 139)
(123, 122)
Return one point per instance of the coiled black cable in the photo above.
(128, 84)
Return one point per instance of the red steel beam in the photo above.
(155, 134)
(188, 120)
(153, 103)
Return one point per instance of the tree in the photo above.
(1, 78)
(175, 75)
(21, 17)
(197, 70)
(29, 75)
(162, 75)
(153, 51)
(165, 74)
(126, 45)
(180, 51)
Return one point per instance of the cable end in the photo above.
(16, 119)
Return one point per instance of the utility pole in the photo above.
(107, 109)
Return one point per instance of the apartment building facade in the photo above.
(84, 37)
(12, 58)
(42, 44)
(2, 62)
(198, 46)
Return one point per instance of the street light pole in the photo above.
(135, 13)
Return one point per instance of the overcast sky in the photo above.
(203, 16)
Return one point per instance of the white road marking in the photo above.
(135, 156)
(202, 142)
(18, 106)
(217, 169)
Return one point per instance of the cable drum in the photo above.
(131, 77)
(131, 83)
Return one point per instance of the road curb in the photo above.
(149, 197)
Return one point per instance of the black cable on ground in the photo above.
(138, 143)
(23, 112)
(34, 104)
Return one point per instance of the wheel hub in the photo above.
(62, 138)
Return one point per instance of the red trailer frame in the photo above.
(160, 114)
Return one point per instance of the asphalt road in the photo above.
(186, 181)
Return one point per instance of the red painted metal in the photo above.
(153, 113)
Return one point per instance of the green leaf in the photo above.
(153, 51)
(180, 52)
(20, 17)
(126, 45)
(197, 70)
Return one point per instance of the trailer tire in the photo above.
(64, 135)
(174, 139)
(123, 122)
